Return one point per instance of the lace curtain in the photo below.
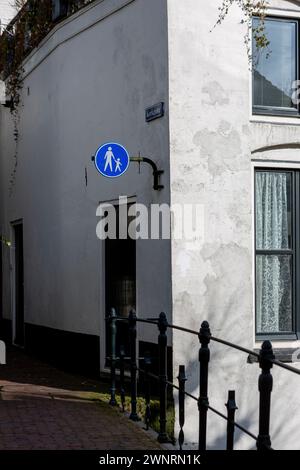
(273, 271)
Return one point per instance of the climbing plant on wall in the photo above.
(249, 8)
(30, 26)
(34, 20)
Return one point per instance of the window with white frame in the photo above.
(277, 233)
(276, 68)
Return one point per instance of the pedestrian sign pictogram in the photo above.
(112, 160)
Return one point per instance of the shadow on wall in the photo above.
(229, 370)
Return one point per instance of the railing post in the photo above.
(204, 356)
(231, 409)
(122, 369)
(265, 386)
(162, 353)
(147, 363)
(181, 399)
(133, 365)
(113, 330)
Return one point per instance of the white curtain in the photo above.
(273, 272)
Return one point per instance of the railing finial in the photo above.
(163, 377)
(132, 314)
(122, 381)
(113, 330)
(181, 399)
(147, 365)
(133, 365)
(265, 386)
(231, 409)
(266, 355)
(162, 323)
(204, 333)
(204, 356)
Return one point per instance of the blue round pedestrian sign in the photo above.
(112, 160)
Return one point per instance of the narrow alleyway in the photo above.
(43, 408)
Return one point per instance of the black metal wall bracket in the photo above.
(8, 104)
(156, 172)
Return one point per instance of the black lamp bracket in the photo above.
(156, 172)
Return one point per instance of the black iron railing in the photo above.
(265, 357)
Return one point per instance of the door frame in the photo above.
(13, 280)
(102, 289)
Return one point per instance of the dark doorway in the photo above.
(120, 285)
(19, 285)
(1, 284)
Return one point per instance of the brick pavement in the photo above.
(43, 408)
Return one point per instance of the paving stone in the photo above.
(44, 408)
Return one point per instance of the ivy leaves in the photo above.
(249, 9)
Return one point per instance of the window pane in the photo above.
(273, 210)
(274, 294)
(275, 72)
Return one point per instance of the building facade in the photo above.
(7, 12)
(229, 140)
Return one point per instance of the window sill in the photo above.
(281, 354)
(272, 119)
